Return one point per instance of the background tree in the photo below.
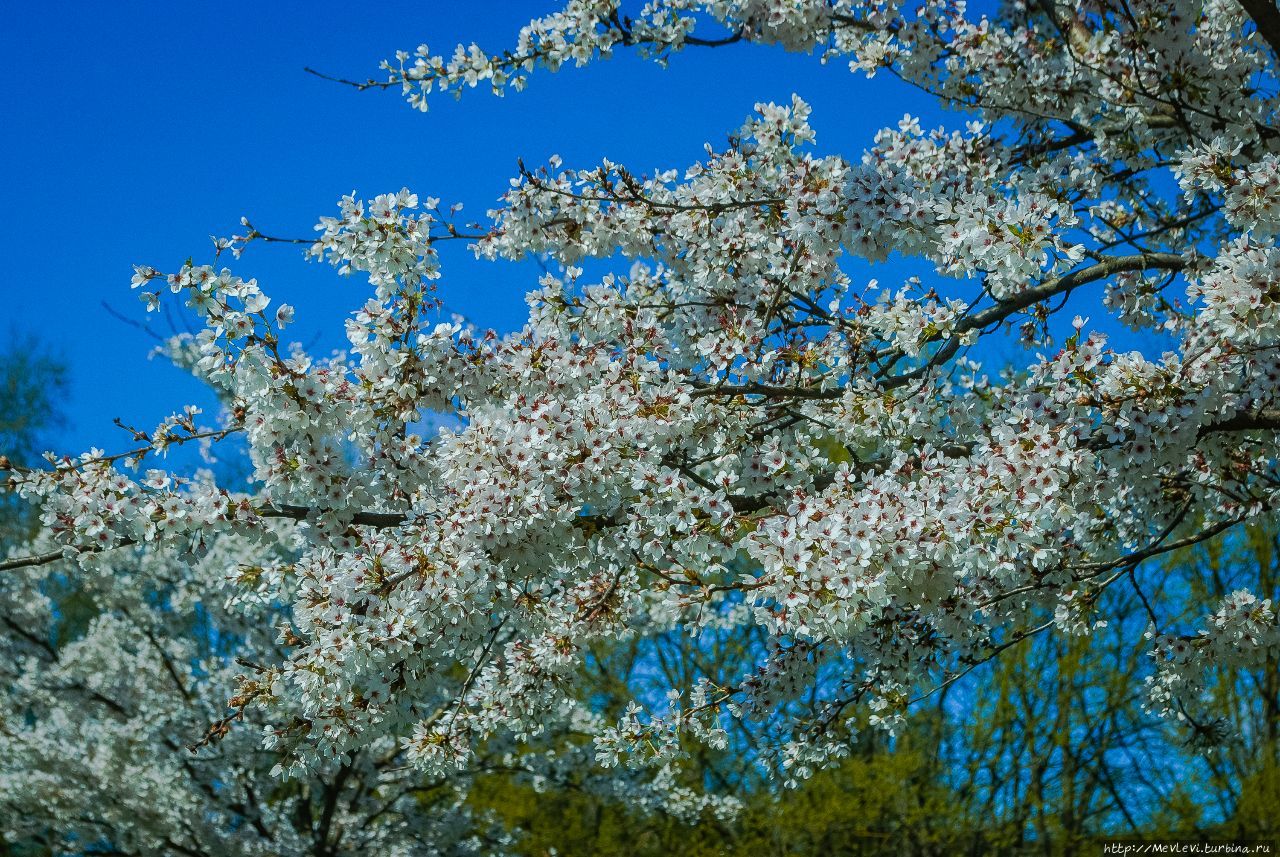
(32, 386)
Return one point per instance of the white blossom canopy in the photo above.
(729, 430)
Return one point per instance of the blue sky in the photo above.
(135, 131)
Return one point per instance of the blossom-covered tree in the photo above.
(115, 737)
(724, 429)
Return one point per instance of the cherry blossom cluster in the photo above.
(1236, 636)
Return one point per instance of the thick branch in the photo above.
(379, 520)
(30, 561)
(1069, 282)
(1245, 422)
